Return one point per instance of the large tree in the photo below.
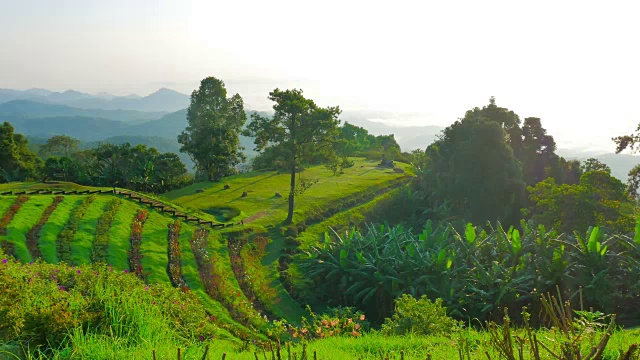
(17, 162)
(473, 168)
(59, 145)
(211, 139)
(299, 128)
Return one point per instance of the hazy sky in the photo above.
(575, 64)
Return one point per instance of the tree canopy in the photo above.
(598, 198)
(17, 162)
(211, 139)
(473, 168)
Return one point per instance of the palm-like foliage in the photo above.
(476, 272)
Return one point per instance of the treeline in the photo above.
(492, 166)
(133, 167)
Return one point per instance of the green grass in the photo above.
(267, 211)
(119, 233)
(154, 247)
(192, 277)
(84, 237)
(367, 347)
(55, 224)
(342, 220)
(262, 186)
(28, 215)
(5, 203)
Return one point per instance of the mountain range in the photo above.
(163, 100)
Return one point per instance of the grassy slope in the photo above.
(84, 237)
(28, 215)
(154, 244)
(119, 233)
(192, 277)
(154, 247)
(54, 226)
(5, 203)
(271, 211)
(262, 186)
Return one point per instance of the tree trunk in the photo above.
(291, 195)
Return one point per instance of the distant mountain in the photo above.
(80, 127)
(32, 109)
(171, 125)
(163, 100)
(38, 92)
(67, 96)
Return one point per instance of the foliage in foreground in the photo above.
(420, 317)
(477, 273)
(46, 307)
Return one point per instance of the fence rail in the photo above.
(154, 204)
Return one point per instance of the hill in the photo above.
(337, 201)
(31, 109)
(64, 223)
(47, 220)
(80, 127)
(163, 100)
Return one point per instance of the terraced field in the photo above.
(233, 267)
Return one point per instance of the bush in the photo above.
(57, 301)
(421, 317)
(291, 231)
(291, 241)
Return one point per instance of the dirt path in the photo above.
(256, 216)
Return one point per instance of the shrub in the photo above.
(421, 317)
(174, 268)
(291, 241)
(57, 301)
(291, 230)
(135, 254)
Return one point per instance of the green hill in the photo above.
(80, 225)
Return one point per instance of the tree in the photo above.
(593, 164)
(211, 139)
(530, 144)
(632, 142)
(59, 145)
(598, 199)
(299, 128)
(17, 162)
(473, 168)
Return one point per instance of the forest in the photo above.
(330, 242)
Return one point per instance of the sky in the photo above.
(574, 64)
